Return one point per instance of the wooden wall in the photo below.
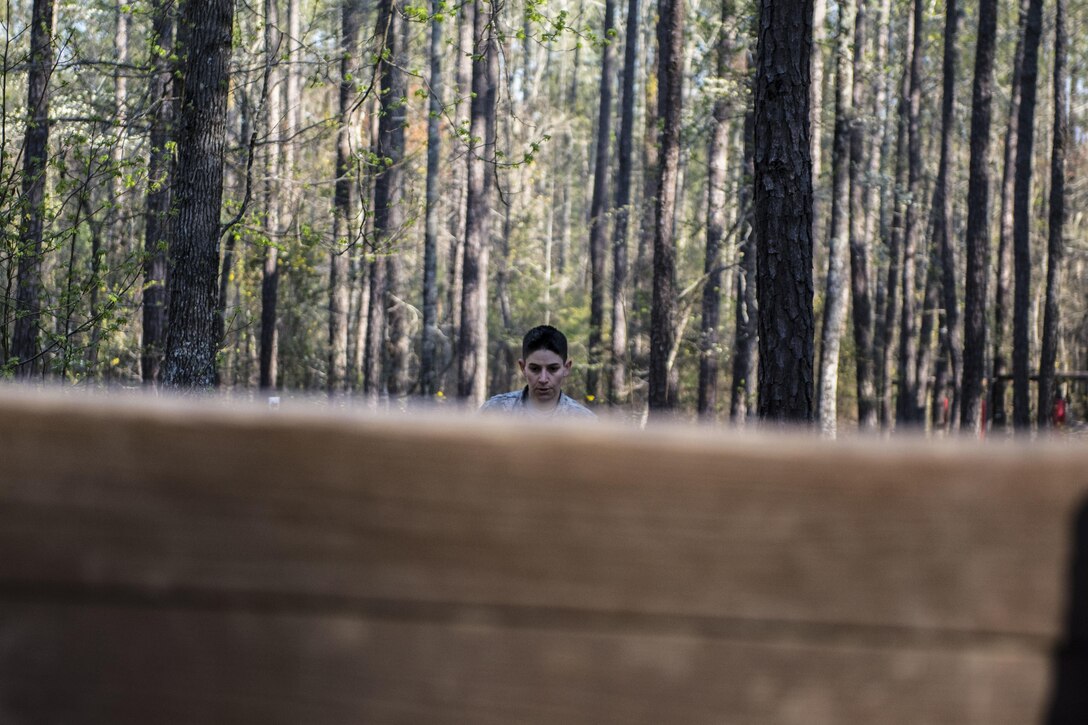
(172, 562)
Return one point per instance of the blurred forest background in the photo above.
(408, 187)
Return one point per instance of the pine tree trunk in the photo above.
(598, 210)
(835, 299)
(978, 213)
(25, 343)
(428, 372)
(336, 380)
(617, 388)
(717, 153)
(746, 327)
(906, 408)
(272, 153)
(783, 211)
(942, 218)
(1003, 293)
(157, 221)
(1055, 245)
(1022, 217)
(859, 236)
(472, 348)
(198, 192)
(670, 43)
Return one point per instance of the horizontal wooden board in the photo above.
(115, 665)
(676, 522)
(176, 562)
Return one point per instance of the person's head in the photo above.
(544, 364)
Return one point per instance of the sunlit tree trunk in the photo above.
(835, 298)
(746, 318)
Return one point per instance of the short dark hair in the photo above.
(544, 337)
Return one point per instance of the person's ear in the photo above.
(567, 365)
(521, 365)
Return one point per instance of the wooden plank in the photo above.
(672, 522)
(173, 562)
(119, 665)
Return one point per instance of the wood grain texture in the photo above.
(569, 574)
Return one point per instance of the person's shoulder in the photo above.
(571, 407)
(502, 401)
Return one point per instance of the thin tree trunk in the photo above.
(942, 215)
(472, 350)
(25, 345)
(709, 342)
(835, 299)
(906, 409)
(428, 372)
(859, 236)
(157, 231)
(273, 39)
(617, 389)
(746, 329)
(598, 210)
(389, 186)
(1022, 217)
(978, 215)
(336, 379)
(1055, 245)
(1003, 292)
(670, 43)
(783, 211)
(815, 108)
(198, 192)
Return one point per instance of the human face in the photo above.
(544, 372)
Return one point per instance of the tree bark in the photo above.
(978, 215)
(272, 153)
(941, 210)
(25, 343)
(670, 43)
(472, 350)
(625, 155)
(198, 192)
(1055, 245)
(1003, 293)
(1022, 217)
(157, 221)
(835, 298)
(906, 408)
(428, 372)
(709, 342)
(336, 379)
(389, 186)
(783, 211)
(598, 210)
(859, 236)
(746, 327)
